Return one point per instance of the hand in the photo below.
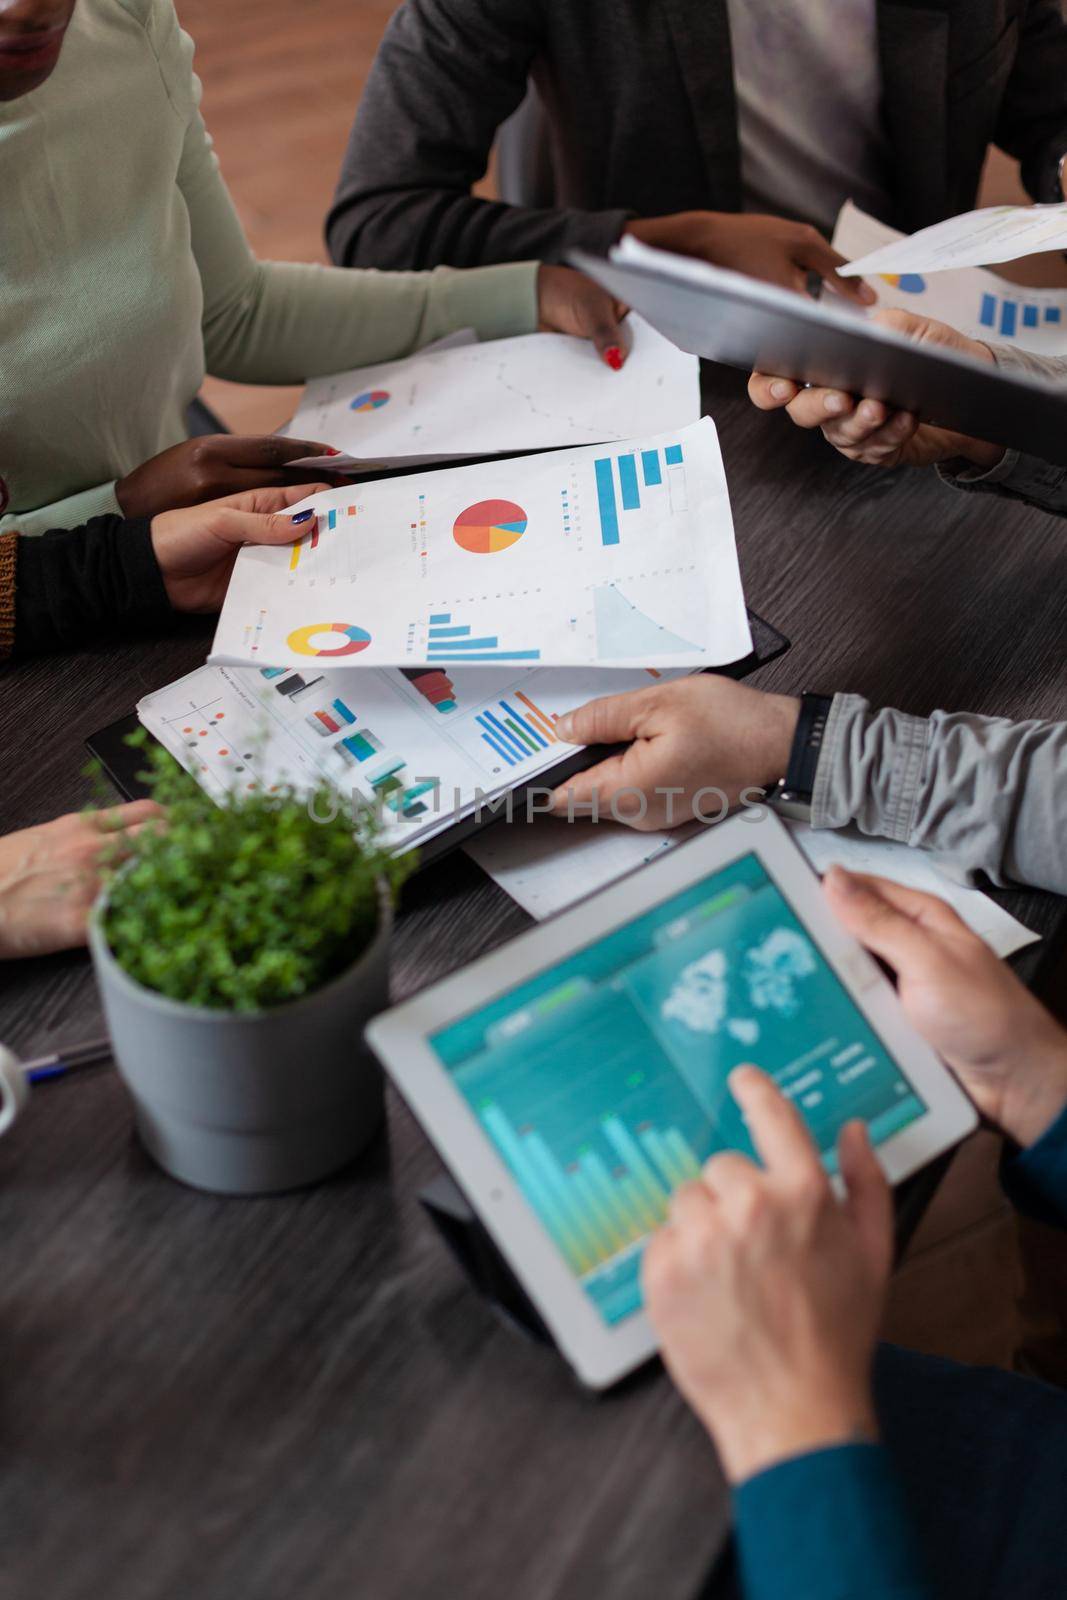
(867, 430)
(196, 548)
(50, 876)
(767, 1291)
(1004, 1047)
(569, 302)
(703, 733)
(218, 464)
(770, 248)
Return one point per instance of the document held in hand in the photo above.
(975, 239)
(619, 555)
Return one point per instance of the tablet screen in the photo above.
(602, 1081)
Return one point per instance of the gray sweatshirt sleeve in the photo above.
(989, 793)
(1017, 476)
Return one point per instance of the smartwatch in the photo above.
(792, 795)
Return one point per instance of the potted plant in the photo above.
(240, 950)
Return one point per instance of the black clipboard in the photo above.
(121, 763)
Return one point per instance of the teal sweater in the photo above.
(125, 274)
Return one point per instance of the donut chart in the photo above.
(302, 640)
(489, 527)
(370, 400)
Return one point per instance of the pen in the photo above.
(93, 1054)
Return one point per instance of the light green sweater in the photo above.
(125, 274)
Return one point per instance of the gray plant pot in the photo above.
(250, 1103)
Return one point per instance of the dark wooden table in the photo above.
(207, 1399)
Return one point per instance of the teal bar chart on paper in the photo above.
(505, 562)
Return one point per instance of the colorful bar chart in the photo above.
(618, 484)
(332, 718)
(310, 542)
(1004, 314)
(359, 747)
(517, 729)
(456, 643)
(435, 686)
(592, 1209)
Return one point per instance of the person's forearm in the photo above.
(412, 226)
(71, 512)
(302, 321)
(831, 1523)
(73, 586)
(1016, 476)
(1032, 118)
(987, 792)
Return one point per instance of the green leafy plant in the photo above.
(247, 904)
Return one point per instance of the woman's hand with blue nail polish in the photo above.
(197, 546)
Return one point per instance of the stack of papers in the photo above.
(978, 303)
(403, 652)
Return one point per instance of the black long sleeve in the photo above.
(447, 74)
(75, 585)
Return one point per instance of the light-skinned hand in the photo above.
(770, 248)
(767, 1291)
(1007, 1051)
(684, 736)
(197, 546)
(50, 875)
(867, 430)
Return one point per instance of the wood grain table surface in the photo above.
(210, 1399)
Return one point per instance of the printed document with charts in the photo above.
(461, 398)
(619, 556)
(424, 746)
(979, 303)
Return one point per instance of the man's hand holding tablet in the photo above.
(765, 1289)
(866, 430)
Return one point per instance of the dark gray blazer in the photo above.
(640, 101)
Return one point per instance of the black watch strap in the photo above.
(799, 782)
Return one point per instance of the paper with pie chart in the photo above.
(619, 555)
(473, 399)
(979, 303)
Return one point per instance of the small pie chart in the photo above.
(328, 639)
(370, 400)
(489, 527)
(906, 282)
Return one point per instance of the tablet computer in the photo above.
(572, 1079)
(727, 317)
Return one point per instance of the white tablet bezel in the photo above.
(599, 1353)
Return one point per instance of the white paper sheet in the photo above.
(974, 239)
(978, 303)
(550, 864)
(425, 747)
(620, 556)
(527, 393)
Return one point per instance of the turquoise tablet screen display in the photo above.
(602, 1081)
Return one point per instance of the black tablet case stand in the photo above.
(470, 1244)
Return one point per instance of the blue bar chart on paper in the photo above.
(497, 563)
(516, 729)
(457, 643)
(1006, 314)
(621, 480)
